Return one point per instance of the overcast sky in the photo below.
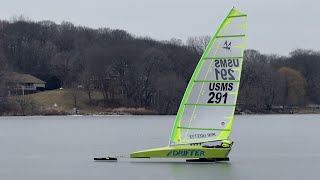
(274, 26)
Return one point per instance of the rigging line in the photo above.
(194, 109)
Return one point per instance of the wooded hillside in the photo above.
(132, 71)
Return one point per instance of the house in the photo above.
(20, 84)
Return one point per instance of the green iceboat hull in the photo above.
(186, 151)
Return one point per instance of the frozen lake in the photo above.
(63, 147)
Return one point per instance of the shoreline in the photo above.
(130, 113)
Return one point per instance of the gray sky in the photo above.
(274, 26)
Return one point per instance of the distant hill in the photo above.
(119, 69)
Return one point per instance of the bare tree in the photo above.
(86, 81)
(198, 43)
(24, 103)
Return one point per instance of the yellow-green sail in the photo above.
(207, 109)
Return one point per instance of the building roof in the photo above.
(23, 78)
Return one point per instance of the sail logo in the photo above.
(185, 153)
(227, 45)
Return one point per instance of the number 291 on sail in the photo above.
(218, 97)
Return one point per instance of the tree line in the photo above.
(146, 72)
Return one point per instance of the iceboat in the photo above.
(204, 120)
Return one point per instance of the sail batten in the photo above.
(236, 16)
(210, 104)
(212, 129)
(230, 36)
(199, 80)
(207, 108)
(222, 58)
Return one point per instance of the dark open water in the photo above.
(55, 148)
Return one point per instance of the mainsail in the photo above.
(207, 109)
